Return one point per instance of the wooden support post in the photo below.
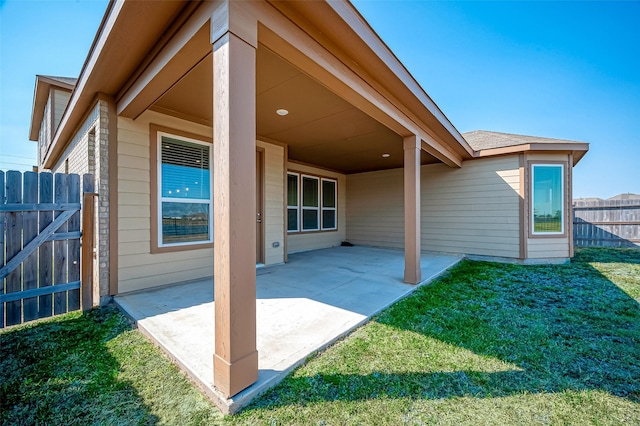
(88, 241)
(412, 270)
(234, 145)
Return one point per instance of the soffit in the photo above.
(321, 128)
(358, 46)
(126, 37)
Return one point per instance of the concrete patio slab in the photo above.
(302, 307)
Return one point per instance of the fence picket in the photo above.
(73, 182)
(30, 231)
(2, 243)
(45, 251)
(60, 257)
(14, 245)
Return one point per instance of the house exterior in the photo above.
(228, 134)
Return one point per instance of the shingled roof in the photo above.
(482, 139)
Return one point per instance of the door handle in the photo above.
(259, 220)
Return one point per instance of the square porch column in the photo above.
(412, 271)
(235, 362)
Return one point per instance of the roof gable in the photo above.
(43, 86)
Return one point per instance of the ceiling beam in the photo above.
(188, 46)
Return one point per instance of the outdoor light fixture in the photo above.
(386, 155)
(282, 112)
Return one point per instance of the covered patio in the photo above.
(302, 307)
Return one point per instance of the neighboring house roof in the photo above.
(588, 199)
(487, 143)
(40, 96)
(627, 196)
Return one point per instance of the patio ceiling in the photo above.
(321, 128)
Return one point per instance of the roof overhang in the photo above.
(142, 39)
(577, 149)
(339, 27)
(127, 35)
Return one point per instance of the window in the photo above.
(311, 203)
(328, 204)
(184, 191)
(293, 205)
(547, 189)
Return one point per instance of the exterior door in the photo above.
(259, 207)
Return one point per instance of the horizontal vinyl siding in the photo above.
(61, 99)
(474, 209)
(542, 248)
(471, 210)
(273, 214)
(305, 241)
(375, 209)
(137, 267)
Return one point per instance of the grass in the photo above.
(486, 344)
(92, 369)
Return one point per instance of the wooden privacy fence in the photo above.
(606, 223)
(46, 262)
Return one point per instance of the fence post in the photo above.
(88, 241)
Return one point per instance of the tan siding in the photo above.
(317, 240)
(540, 248)
(137, 267)
(61, 99)
(375, 212)
(44, 136)
(471, 210)
(273, 214)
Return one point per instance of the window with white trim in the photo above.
(293, 202)
(547, 203)
(185, 204)
(329, 198)
(311, 203)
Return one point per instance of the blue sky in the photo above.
(568, 70)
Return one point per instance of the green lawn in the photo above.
(486, 344)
